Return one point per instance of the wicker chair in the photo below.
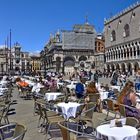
(4, 113)
(51, 120)
(122, 110)
(111, 108)
(69, 134)
(131, 121)
(12, 131)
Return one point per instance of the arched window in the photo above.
(113, 35)
(126, 30)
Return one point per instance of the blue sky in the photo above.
(32, 21)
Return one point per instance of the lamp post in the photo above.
(2, 64)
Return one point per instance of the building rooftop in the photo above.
(130, 8)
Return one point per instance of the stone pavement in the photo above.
(24, 115)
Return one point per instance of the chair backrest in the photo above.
(98, 118)
(5, 112)
(131, 121)
(80, 109)
(64, 131)
(39, 108)
(43, 90)
(19, 132)
(94, 97)
(110, 104)
(71, 134)
(12, 131)
(2, 113)
(90, 108)
(122, 110)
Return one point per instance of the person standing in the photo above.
(137, 81)
(114, 80)
(80, 89)
(96, 76)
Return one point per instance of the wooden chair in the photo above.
(19, 132)
(50, 120)
(43, 90)
(131, 121)
(86, 112)
(12, 131)
(71, 134)
(94, 97)
(4, 113)
(122, 110)
(86, 115)
(99, 119)
(41, 104)
(111, 108)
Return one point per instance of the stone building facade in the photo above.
(99, 52)
(122, 41)
(70, 50)
(19, 60)
(14, 60)
(35, 63)
(3, 60)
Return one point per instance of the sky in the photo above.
(32, 21)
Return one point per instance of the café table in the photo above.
(68, 109)
(52, 95)
(103, 94)
(116, 87)
(117, 133)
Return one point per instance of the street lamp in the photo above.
(2, 64)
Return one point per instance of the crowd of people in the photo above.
(128, 95)
(83, 89)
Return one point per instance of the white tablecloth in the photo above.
(52, 95)
(117, 133)
(69, 109)
(103, 95)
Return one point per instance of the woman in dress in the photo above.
(128, 85)
(130, 101)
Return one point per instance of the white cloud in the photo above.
(37, 52)
(2, 46)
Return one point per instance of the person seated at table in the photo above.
(91, 88)
(130, 101)
(127, 86)
(36, 87)
(53, 85)
(80, 89)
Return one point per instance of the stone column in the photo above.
(133, 72)
(136, 52)
(132, 51)
(126, 53)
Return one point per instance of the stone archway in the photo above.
(108, 68)
(68, 64)
(129, 68)
(17, 69)
(112, 67)
(123, 67)
(136, 66)
(82, 58)
(117, 66)
(58, 63)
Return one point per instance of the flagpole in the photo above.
(6, 56)
(10, 49)
(8, 53)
